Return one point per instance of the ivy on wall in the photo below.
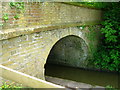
(19, 8)
(5, 17)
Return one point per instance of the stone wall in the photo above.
(75, 51)
(38, 13)
(25, 43)
(28, 53)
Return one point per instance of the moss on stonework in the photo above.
(93, 37)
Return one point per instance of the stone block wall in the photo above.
(28, 53)
(74, 50)
(44, 13)
(25, 43)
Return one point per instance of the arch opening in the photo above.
(69, 51)
(72, 51)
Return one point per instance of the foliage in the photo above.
(1, 24)
(108, 87)
(108, 55)
(86, 3)
(95, 4)
(16, 16)
(107, 59)
(7, 86)
(5, 17)
(81, 27)
(17, 5)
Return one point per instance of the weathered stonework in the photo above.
(26, 44)
(28, 53)
(44, 13)
(70, 51)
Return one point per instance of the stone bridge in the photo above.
(54, 32)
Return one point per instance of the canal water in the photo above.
(82, 75)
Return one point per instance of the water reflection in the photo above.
(80, 75)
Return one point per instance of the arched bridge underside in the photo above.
(28, 53)
(70, 50)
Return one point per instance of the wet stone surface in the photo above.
(71, 84)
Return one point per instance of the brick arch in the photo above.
(29, 53)
(70, 50)
(76, 33)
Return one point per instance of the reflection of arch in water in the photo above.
(70, 50)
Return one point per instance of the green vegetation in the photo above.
(16, 16)
(9, 87)
(5, 17)
(19, 8)
(97, 5)
(108, 55)
(108, 87)
(94, 4)
(17, 5)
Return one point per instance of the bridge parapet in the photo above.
(45, 13)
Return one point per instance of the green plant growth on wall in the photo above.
(5, 17)
(17, 5)
(91, 36)
(90, 4)
(108, 54)
(82, 27)
(19, 8)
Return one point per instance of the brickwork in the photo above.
(28, 53)
(25, 48)
(39, 13)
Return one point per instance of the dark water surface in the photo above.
(81, 75)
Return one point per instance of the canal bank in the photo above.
(94, 78)
(70, 84)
